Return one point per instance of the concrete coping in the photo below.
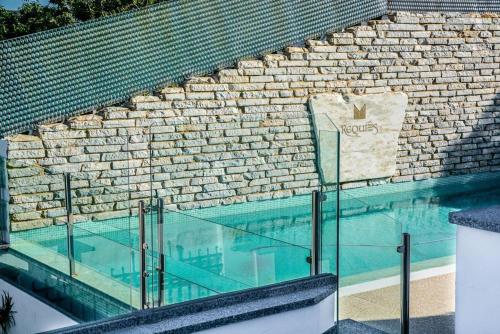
(487, 219)
(215, 311)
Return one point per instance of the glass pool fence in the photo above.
(160, 228)
(370, 273)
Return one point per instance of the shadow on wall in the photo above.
(440, 324)
(461, 138)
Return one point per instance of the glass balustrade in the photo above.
(154, 230)
(369, 265)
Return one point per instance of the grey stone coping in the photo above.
(217, 310)
(487, 219)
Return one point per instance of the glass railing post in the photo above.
(404, 249)
(317, 197)
(143, 246)
(69, 223)
(4, 196)
(161, 255)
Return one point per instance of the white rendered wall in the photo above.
(478, 282)
(314, 319)
(32, 315)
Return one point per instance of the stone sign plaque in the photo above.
(369, 127)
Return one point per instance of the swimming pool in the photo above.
(372, 220)
(216, 250)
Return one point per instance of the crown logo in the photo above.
(360, 113)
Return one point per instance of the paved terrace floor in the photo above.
(432, 306)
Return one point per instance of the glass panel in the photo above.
(102, 200)
(211, 238)
(202, 258)
(105, 260)
(284, 219)
(47, 245)
(329, 234)
(227, 259)
(100, 264)
(371, 300)
(210, 234)
(432, 294)
(207, 173)
(68, 295)
(105, 264)
(329, 140)
(423, 208)
(369, 265)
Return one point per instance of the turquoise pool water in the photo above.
(217, 250)
(371, 223)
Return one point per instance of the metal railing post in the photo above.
(69, 223)
(4, 196)
(316, 233)
(161, 256)
(143, 246)
(404, 249)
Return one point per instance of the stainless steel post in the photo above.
(69, 223)
(404, 249)
(143, 248)
(4, 197)
(316, 233)
(161, 256)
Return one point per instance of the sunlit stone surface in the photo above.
(369, 127)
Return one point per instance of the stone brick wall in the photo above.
(246, 134)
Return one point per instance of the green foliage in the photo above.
(7, 312)
(33, 17)
(83, 10)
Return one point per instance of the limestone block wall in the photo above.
(246, 134)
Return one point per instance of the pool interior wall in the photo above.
(216, 250)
